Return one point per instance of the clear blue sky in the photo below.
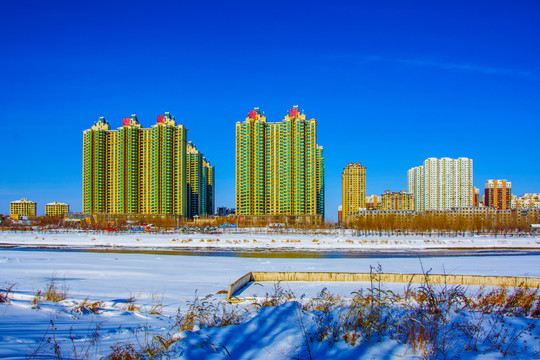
(390, 83)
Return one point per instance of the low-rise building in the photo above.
(527, 201)
(56, 209)
(225, 211)
(77, 217)
(23, 207)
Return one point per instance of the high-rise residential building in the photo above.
(498, 194)
(56, 209)
(476, 196)
(195, 190)
(279, 166)
(200, 183)
(353, 189)
(95, 172)
(23, 207)
(135, 170)
(397, 200)
(440, 184)
(415, 183)
(209, 180)
(320, 181)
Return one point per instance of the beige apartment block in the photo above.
(397, 200)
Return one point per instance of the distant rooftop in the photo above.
(23, 200)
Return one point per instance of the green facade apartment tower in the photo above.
(279, 166)
(136, 170)
(200, 183)
(95, 167)
(209, 176)
(250, 164)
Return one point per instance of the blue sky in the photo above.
(390, 83)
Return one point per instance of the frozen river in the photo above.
(119, 274)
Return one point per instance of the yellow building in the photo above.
(397, 200)
(56, 209)
(23, 207)
(373, 202)
(279, 166)
(353, 189)
(135, 170)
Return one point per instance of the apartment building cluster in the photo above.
(25, 208)
(354, 199)
(136, 170)
(438, 186)
(279, 167)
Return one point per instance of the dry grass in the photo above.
(4, 293)
(277, 297)
(130, 305)
(523, 301)
(52, 292)
(157, 347)
(434, 321)
(324, 301)
(206, 313)
(55, 293)
(156, 308)
(428, 319)
(87, 306)
(124, 352)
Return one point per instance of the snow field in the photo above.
(176, 281)
(261, 241)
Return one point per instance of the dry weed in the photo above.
(278, 297)
(156, 307)
(130, 305)
(4, 293)
(206, 313)
(51, 293)
(87, 306)
(54, 293)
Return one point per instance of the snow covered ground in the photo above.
(163, 283)
(261, 241)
